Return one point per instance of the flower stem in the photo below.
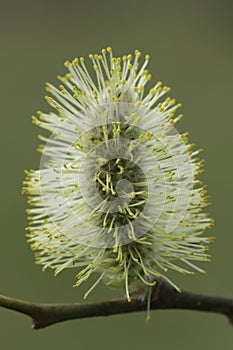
(44, 315)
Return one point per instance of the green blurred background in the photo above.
(190, 43)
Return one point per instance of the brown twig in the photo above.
(44, 315)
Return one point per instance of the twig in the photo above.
(44, 315)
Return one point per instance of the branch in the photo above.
(44, 315)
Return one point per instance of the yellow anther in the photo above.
(95, 67)
(130, 66)
(68, 75)
(118, 126)
(103, 51)
(75, 61)
(149, 135)
(148, 77)
(179, 105)
(49, 99)
(172, 102)
(91, 56)
(144, 72)
(114, 99)
(67, 64)
(147, 57)
(138, 53)
(59, 77)
(35, 120)
(121, 169)
(48, 88)
(166, 88)
(109, 49)
(81, 59)
(129, 57)
(180, 116)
